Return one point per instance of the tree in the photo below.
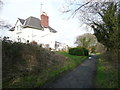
(87, 41)
(100, 48)
(103, 17)
(107, 31)
(3, 24)
(1, 3)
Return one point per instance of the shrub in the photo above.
(79, 51)
(27, 65)
(86, 52)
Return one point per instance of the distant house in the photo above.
(61, 46)
(33, 29)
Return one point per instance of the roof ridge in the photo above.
(34, 17)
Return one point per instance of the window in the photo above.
(47, 45)
(20, 27)
(17, 28)
(19, 39)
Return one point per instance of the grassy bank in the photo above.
(30, 66)
(107, 73)
(75, 60)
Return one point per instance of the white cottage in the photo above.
(34, 29)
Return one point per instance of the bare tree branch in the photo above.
(1, 4)
(76, 10)
(3, 24)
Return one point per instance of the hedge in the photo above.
(79, 51)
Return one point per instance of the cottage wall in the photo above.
(30, 34)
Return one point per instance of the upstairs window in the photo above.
(20, 27)
(17, 28)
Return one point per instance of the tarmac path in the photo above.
(81, 77)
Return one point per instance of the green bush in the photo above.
(79, 51)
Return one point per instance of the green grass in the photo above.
(107, 76)
(76, 60)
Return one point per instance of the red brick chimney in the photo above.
(44, 20)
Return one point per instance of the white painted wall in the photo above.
(31, 34)
(62, 46)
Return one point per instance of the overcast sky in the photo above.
(68, 30)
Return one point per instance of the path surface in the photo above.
(81, 77)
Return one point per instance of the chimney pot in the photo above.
(44, 20)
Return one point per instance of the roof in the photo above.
(52, 30)
(33, 22)
(12, 29)
(22, 21)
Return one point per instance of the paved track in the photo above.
(81, 77)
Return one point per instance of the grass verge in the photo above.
(75, 60)
(107, 75)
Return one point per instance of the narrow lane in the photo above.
(81, 77)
